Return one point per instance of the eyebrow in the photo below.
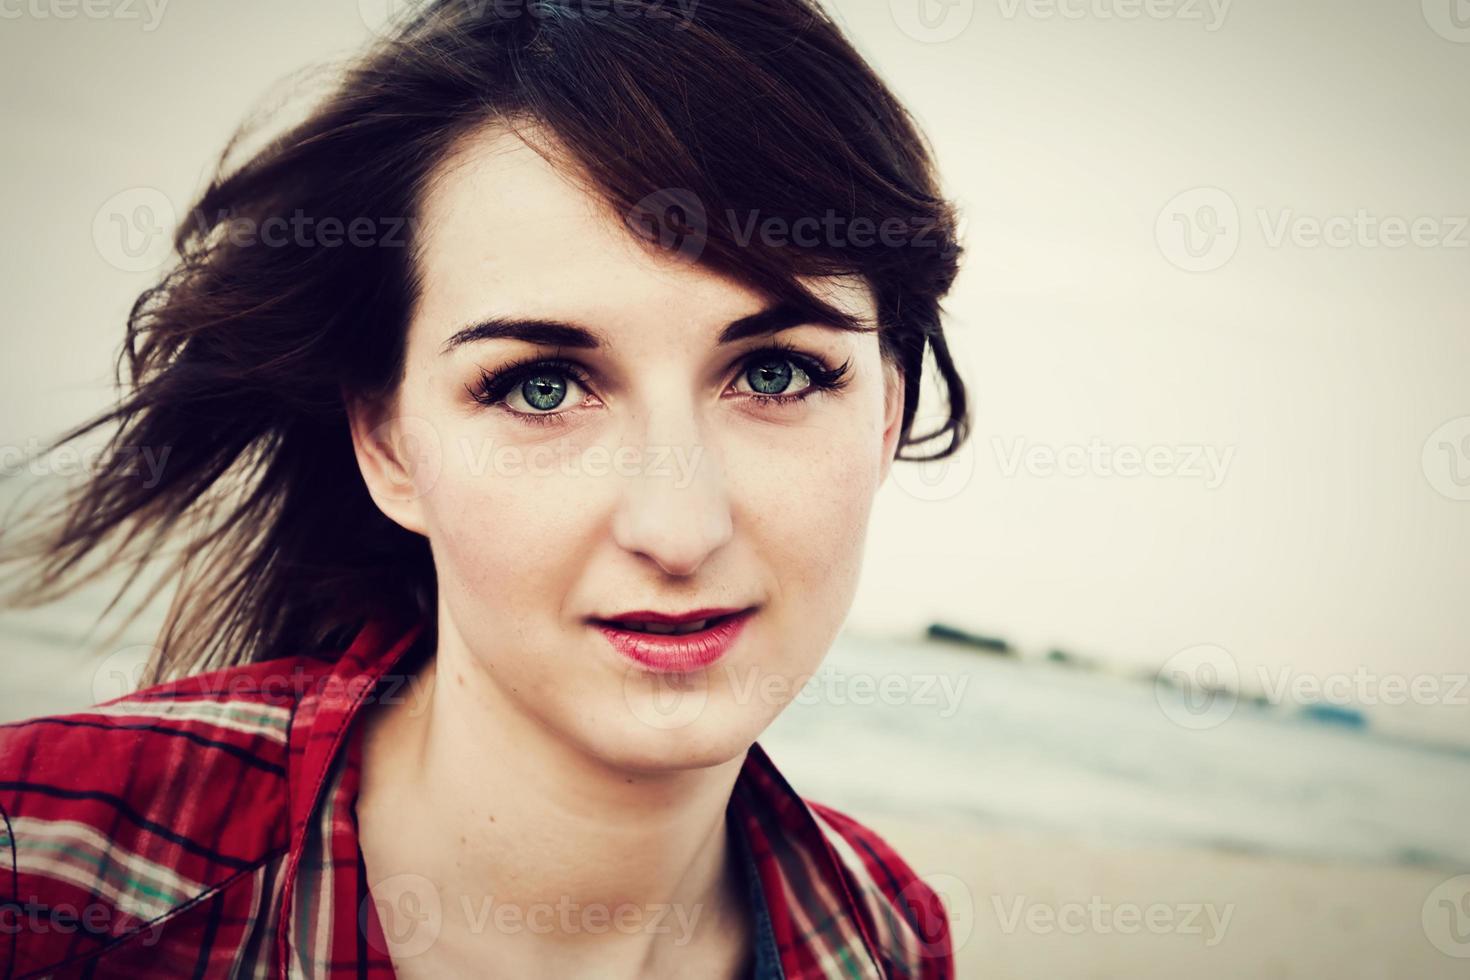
(559, 333)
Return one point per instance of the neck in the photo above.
(508, 820)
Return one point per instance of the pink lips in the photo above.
(670, 654)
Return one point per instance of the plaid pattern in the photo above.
(207, 827)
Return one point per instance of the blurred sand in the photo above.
(1286, 918)
(1275, 918)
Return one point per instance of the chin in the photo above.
(653, 738)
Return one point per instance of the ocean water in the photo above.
(974, 740)
(1040, 746)
(959, 736)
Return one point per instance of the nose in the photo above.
(674, 508)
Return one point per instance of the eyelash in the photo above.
(493, 386)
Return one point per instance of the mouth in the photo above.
(671, 624)
(675, 643)
(656, 628)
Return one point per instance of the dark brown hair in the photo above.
(237, 360)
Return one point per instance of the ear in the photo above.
(398, 456)
(893, 389)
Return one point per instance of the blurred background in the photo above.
(1166, 671)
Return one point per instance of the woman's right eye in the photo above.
(533, 392)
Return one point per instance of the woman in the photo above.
(524, 408)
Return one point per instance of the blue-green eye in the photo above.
(532, 389)
(773, 376)
(544, 391)
(782, 374)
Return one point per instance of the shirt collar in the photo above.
(822, 929)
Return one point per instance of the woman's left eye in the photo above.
(775, 376)
(780, 376)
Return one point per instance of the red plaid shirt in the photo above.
(206, 827)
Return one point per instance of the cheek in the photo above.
(806, 502)
(510, 527)
(509, 547)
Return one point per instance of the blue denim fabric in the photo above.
(767, 955)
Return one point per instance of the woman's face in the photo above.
(651, 476)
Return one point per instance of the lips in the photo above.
(670, 644)
(680, 628)
(648, 621)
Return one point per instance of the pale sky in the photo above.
(1276, 381)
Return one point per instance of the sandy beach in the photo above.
(1043, 905)
(1032, 903)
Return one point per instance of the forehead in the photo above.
(505, 231)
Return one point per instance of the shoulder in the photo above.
(907, 919)
(131, 809)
